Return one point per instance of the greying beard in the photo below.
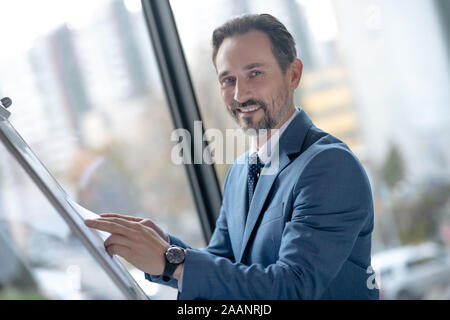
(265, 124)
(269, 121)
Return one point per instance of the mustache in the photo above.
(249, 102)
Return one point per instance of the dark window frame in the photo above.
(183, 107)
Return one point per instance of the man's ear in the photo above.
(295, 73)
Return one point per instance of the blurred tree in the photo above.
(393, 170)
(419, 220)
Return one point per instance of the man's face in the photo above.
(253, 87)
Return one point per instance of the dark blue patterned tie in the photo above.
(254, 167)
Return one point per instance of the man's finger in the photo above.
(109, 226)
(123, 222)
(121, 216)
(144, 221)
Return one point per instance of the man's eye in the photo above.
(227, 80)
(255, 73)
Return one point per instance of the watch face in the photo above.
(175, 255)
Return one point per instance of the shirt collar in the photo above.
(264, 152)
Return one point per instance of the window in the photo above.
(88, 99)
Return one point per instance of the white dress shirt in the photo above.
(264, 153)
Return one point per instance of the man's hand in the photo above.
(139, 241)
(146, 222)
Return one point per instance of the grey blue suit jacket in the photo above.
(307, 234)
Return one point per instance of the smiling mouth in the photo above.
(248, 109)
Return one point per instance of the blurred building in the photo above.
(110, 54)
(74, 74)
(34, 113)
(327, 97)
(395, 53)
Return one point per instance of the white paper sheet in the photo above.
(87, 214)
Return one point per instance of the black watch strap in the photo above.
(169, 269)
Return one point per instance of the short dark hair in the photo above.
(283, 44)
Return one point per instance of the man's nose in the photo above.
(242, 91)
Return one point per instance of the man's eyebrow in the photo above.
(247, 67)
(253, 65)
(223, 74)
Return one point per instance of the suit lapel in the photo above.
(263, 187)
(240, 205)
(290, 142)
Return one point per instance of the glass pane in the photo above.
(376, 75)
(88, 99)
(41, 257)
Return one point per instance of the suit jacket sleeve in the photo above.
(330, 205)
(158, 278)
(219, 245)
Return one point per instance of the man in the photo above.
(301, 233)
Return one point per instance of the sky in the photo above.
(321, 18)
(22, 21)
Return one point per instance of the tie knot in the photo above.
(254, 167)
(254, 164)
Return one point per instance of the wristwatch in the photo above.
(174, 257)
